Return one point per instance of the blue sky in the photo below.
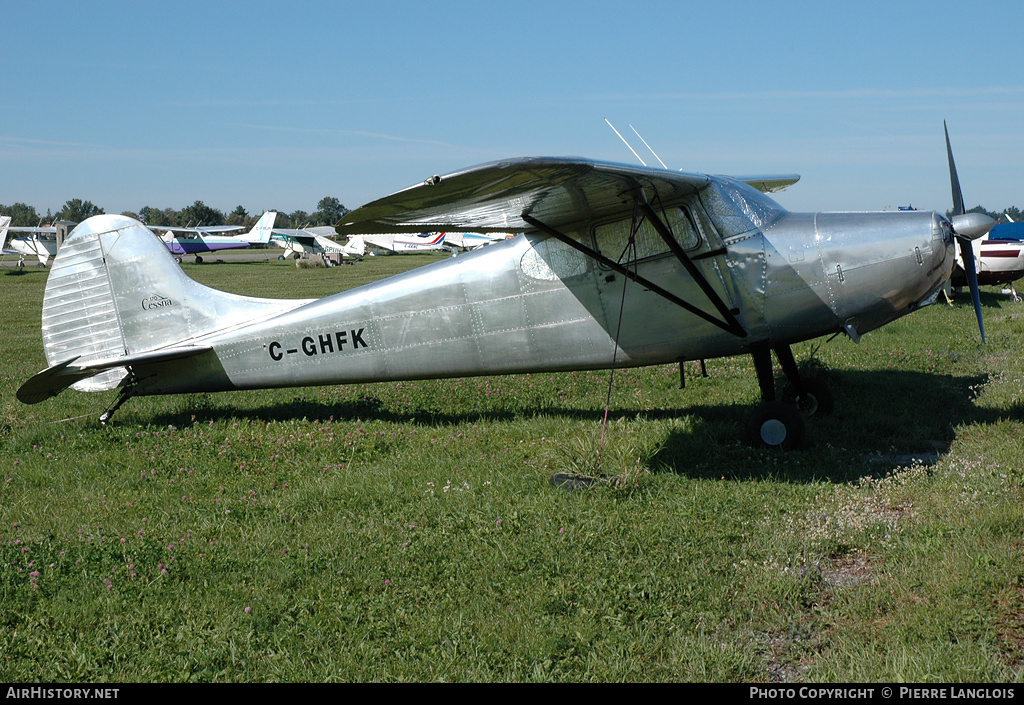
(276, 105)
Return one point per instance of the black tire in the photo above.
(775, 424)
(816, 401)
(199, 260)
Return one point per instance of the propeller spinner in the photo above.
(967, 227)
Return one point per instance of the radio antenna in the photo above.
(648, 146)
(627, 143)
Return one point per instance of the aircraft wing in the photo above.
(198, 230)
(769, 183)
(41, 230)
(385, 241)
(556, 191)
(494, 197)
(322, 230)
(304, 240)
(303, 236)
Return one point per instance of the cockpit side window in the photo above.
(737, 208)
(613, 238)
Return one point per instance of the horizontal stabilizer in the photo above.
(56, 378)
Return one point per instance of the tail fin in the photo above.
(263, 229)
(115, 295)
(356, 246)
(5, 221)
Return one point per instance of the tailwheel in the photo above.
(815, 401)
(775, 424)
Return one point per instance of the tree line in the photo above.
(328, 212)
(1013, 212)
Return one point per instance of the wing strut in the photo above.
(733, 326)
(730, 325)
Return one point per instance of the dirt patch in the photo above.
(849, 570)
(787, 658)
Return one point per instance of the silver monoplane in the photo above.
(612, 266)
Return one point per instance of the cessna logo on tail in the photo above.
(156, 301)
(321, 344)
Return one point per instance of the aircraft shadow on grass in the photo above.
(883, 420)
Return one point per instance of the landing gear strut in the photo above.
(779, 424)
(127, 392)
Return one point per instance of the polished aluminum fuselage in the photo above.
(533, 304)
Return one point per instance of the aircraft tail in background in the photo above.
(356, 246)
(5, 222)
(263, 228)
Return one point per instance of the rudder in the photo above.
(263, 229)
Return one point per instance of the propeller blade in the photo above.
(973, 227)
(967, 255)
(958, 196)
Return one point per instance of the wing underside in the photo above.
(769, 183)
(556, 191)
(494, 197)
(307, 241)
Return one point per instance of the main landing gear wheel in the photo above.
(775, 424)
(816, 400)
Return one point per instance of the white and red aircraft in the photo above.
(407, 242)
(998, 261)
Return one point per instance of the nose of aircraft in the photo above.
(972, 225)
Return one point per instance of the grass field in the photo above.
(409, 531)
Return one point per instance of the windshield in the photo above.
(737, 208)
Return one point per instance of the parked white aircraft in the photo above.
(40, 241)
(404, 243)
(470, 241)
(316, 241)
(998, 261)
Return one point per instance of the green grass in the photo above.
(409, 531)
